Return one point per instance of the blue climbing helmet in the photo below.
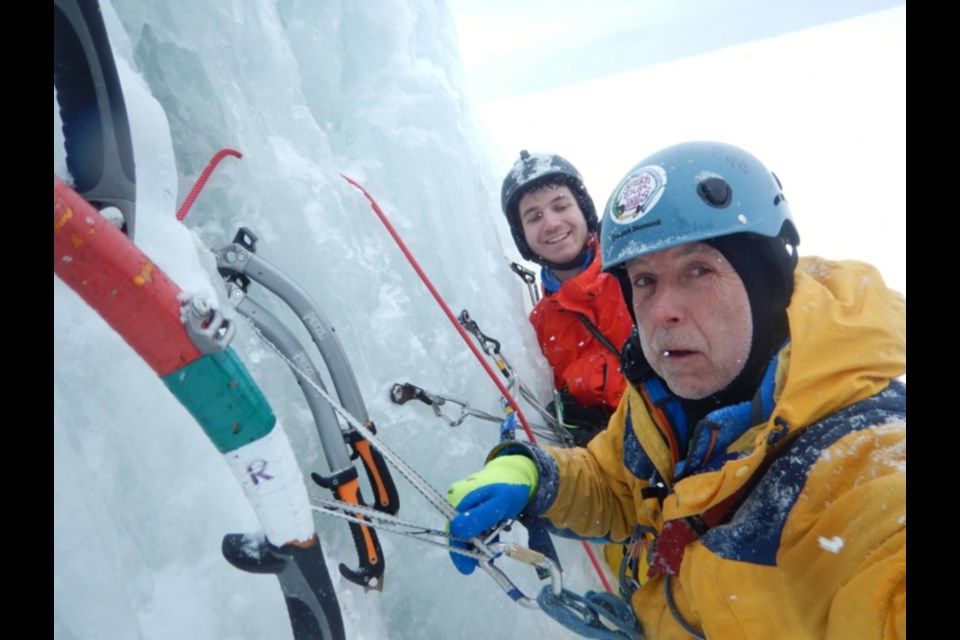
(723, 196)
(690, 192)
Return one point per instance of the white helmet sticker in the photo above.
(638, 193)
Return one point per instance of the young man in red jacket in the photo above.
(581, 321)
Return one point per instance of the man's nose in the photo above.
(668, 306)
(552, 219)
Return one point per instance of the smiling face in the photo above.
(553, 225)
(693, 316)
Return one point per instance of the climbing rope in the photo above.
(202, 180)
(586, 615)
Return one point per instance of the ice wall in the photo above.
(306, 91)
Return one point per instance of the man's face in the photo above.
(693, 315)
(553, 224)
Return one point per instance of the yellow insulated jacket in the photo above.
(817, 549)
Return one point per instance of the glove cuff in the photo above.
(547, 473)
(507, 470)
(514, 469)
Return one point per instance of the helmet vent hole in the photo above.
(716, 192)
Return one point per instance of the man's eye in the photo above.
(642, 281)
(700, 270)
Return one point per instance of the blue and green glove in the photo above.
(498, 492)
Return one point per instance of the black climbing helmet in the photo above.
(534, 170)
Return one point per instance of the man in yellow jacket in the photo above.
(761, 442)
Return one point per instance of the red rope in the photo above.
(466, 338)
(202, 180)
(597, 566)
(443, 305)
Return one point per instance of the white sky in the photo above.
(823, 107)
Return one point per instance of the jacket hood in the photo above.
(848, 339)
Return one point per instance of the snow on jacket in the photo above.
(817, 550)
(580, 362)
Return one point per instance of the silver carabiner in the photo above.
(526, 556)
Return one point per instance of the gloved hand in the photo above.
(498, 492)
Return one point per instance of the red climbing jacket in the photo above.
(581, 363)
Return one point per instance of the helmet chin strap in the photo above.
(582, 259)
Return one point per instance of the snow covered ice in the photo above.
(306, 91)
